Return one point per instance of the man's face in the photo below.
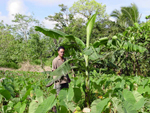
(61, 52)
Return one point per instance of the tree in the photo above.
(23, 25)
(127, 16)
(10, 54)
(86, 8)
(74, 23)
(62, 19)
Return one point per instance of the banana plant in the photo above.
(88, 53)
(84, 50)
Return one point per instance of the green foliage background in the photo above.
(111, 61)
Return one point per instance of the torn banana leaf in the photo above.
(62, 70)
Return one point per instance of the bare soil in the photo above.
(26, 66)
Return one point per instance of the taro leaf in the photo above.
(53, 91)
(129, 107)
(137, 95)
(63, 102)
(138, 105)
(62, 94)
(101, 105)
(141, 89)
(22, 109)
(17, 107)
(147, 89)
(39, 95)
(117, 105)
(10, 89)
(5, 93)
(33, 106)
(140, 100)
(71, 106)
(15, 100)
(122, 84)
(77, 94)
(46, 105)
(144, 82)
(10, 104)
(63, 109)
(93, 105)
(128, 96)
(70, 94)
(49, 32)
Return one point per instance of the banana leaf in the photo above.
(89, 28)
(51, 33)
(62, 70)
(79, 42)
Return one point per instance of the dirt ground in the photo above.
(28, 67)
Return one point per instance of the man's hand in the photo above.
(69, 80)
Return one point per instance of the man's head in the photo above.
(61, 51)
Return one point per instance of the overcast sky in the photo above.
(43, 8)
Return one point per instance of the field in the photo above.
(109, 59)
(25, 92)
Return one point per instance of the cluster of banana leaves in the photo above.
(25, 92)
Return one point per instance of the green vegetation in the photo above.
(127, 16)
(91, 54)
(26, 92)
(111, 61)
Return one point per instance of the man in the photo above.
(59, 60)
(63, 82)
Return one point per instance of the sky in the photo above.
(44, 8)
